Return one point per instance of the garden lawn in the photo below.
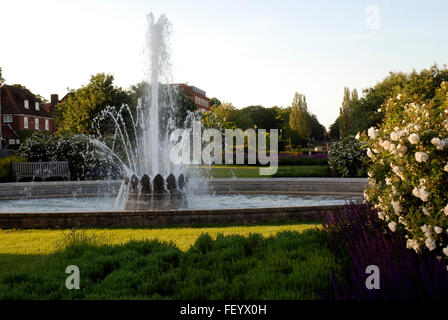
(287, 265)
(235, 171)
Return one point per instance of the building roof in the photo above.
(13, 102)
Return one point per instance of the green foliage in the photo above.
(335, 130)
(299, 119)
(422, 85)
(257, 117)
(215, 102)
(6, 167)
(346, 158)
(40, 146)
(289, 265)
(77, 112)
(25, 134)
(303, 171)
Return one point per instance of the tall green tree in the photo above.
(214, 102)
(77, 112)
(299, 117)
(345, 113)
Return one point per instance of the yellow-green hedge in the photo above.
(6, 167)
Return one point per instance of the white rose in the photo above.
(402, 149)
(431, 244)
(438, 230)
(416, 192)
(445, 210)
(372, 132)
(392, 226)
(423, 194)
(446, 168)
(357, 136)
(424, 228)
(445, 251)
(425, 211)
(394, 136)
(414, 138)
(397, 206)
(412, 244)
(440, 144)
(421, 156)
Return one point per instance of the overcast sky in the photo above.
(243, 52)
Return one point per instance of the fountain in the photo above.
(148, 155)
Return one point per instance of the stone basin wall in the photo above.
(57, 189)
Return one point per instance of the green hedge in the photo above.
(6, 167)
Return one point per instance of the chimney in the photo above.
(54, 102)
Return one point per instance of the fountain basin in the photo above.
(232, 201)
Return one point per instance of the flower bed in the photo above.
(360, 238)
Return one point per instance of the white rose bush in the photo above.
(408, 170)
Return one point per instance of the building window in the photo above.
(47, 124)
(27, 104)
(25, 122)
(36, 105)
(36, 123)
(12, 141)
(7, 118)
(17, 141)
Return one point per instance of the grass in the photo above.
(244, 171)
(22, 248)
(287, 265)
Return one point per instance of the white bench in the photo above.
(42, 170)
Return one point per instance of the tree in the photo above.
(299, 117)
(334, 132)
(365, 110)
(345, 113)
(317, 130)
(185, 106)
(214, 102)
(76, 114)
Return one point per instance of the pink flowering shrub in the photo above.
(408, 169)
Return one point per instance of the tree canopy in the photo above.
(77, 112)
(367, 111)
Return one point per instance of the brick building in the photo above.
(21, 110)
(199, 96)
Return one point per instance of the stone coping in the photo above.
(64, 220)
(58, 189)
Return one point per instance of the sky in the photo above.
(243, 52)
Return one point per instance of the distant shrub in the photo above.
(86, 159)
(346, 158)
(6, 167)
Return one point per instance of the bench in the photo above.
(42, 170)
